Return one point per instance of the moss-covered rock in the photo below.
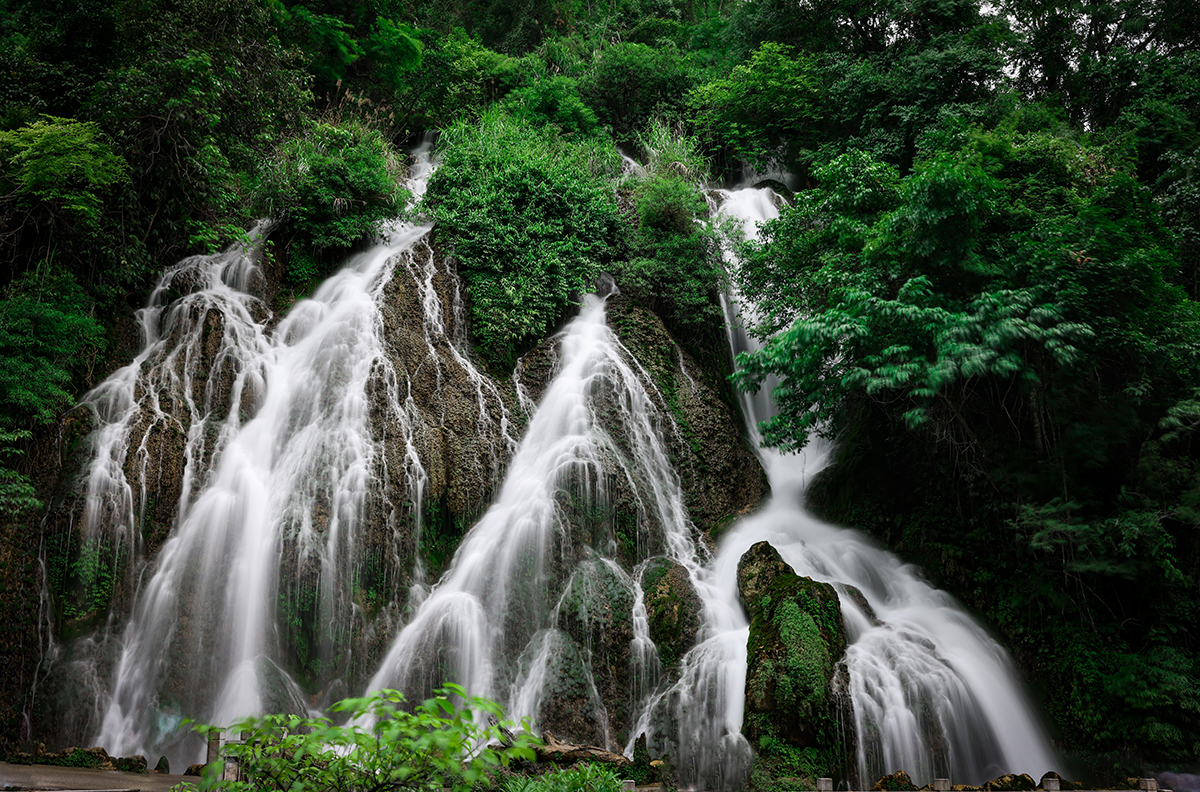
(570, 705)
(673, 608)
(596, 611)
(896, 782)
(1011, 782)
(720, 474)
(796, 639)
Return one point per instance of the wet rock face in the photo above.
(720, 474)
(796, 640)
(673, 608)
(596, 612)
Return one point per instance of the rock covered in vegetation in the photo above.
(896, 782)
(596, 612)
(673, 608)
(1011, 782)
(719, 472)
(796, 640)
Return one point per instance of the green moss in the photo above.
(672, 608)
(795, 640)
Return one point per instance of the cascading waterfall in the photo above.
(296, 437)
(933, 693)
(492, 624)
(301, 448)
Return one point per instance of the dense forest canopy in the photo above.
(984, 286)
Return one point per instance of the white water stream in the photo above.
(285, 469)
(491, 623)
(279, 514)
(933, 693)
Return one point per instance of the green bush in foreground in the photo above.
(583, 778)
(382, 747)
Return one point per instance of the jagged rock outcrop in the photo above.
(796, 640)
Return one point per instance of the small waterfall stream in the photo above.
(933, 693)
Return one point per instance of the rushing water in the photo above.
(304, 465)
(933, 693)
(286, 479)
(493, 623)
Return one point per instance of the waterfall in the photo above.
(303, 483)
(497, 622)
(933, 693)
(306, 449)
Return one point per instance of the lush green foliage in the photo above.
(765, 104)
(582, 778)
(554, 100)
(46, 330)
(984, 287)
(329, 188)
(632, 84)
(530, 220)
(65, 165)
(444, 741)
(674, 264)
(1002, 318)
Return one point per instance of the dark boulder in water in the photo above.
(673, 609)
(796, 639)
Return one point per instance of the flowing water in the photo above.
(296, 434)
(495, 622)
(933, 694)
(305, 460)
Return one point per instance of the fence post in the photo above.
(214, 747)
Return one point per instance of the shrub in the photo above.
(554, 100)
(633, 84)
(382, 747)
(46, 332)
(329, 188)
(531, 220)
(583, 778)
(769, 101)
(675, 265)
(61, 163)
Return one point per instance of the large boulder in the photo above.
(673, 609)
(796, 640)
